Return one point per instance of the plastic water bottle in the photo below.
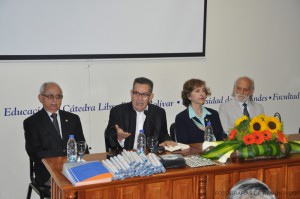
(209, 133)
(72, 149)
(141, 142)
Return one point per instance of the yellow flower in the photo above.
(257, 124)
(273, 124)
(240, 120)
(263, 117)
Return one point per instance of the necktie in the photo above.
(245, 110)
(55, 123)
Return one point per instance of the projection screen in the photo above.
(70, 29)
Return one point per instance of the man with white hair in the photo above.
(241, 104)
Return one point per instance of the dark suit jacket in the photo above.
(125, 116)
(187, 131)
(43, 141)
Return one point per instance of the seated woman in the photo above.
(190, 123)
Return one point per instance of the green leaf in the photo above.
(295, 146)
(267, 149)
(221, 149)
(254, 150)
(258, 149)
(246, 151)
(275, 149)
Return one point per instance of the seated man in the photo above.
(44, 138)
(125, 120)
(241, 104)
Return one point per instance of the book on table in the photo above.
(179, 146)
(85, 173)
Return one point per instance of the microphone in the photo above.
(110, 142)
(151, 122)
(278, 116)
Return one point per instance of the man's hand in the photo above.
(168, 143)
(121, 134)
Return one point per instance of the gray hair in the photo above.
(238, 79)
(43, 86)
(251, 188)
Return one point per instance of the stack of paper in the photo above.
(84, 173)
(179, 146)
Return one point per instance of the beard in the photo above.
(241, 98)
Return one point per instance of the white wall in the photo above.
(258, 38)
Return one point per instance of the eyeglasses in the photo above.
(143, 95)
(51, 97)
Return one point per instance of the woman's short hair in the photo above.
(189, 86)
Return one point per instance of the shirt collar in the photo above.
(49, 113)
(192, 113)
(241, 103)
(137, 112)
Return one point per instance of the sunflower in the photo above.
(273, 125)
(240, 120)
(263, 117)
(257, 124)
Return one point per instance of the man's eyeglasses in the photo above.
(51, 97)
(143, 95)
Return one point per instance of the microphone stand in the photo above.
(278, 116)
(113, 146)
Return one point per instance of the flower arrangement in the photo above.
(249, 138)
(258, 130)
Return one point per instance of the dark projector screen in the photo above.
(83, 29)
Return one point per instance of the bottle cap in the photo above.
(71, 136)
(142, 131)
(209, 123)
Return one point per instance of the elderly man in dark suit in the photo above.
(127, 119)
(43, 138)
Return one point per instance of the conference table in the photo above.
(280, 174)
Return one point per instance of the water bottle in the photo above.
(141, 142)
(209, 133)
(72, 149)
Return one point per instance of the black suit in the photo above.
(125, 117)
(42, 140)
(187, 131)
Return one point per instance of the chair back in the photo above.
(173, 132)
(32, 175)
(42, 191)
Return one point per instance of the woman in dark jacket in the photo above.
(190, 124)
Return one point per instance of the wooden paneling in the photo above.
(293, 182)
(94, 194)
(128, 192)
(275, 179)
(222, 185)
(182, 188)
(157, 190)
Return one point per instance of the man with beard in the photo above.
(241, 104)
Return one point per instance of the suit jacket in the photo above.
(231, 111)
(125, 116)
(42, 140)
(187, 131)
